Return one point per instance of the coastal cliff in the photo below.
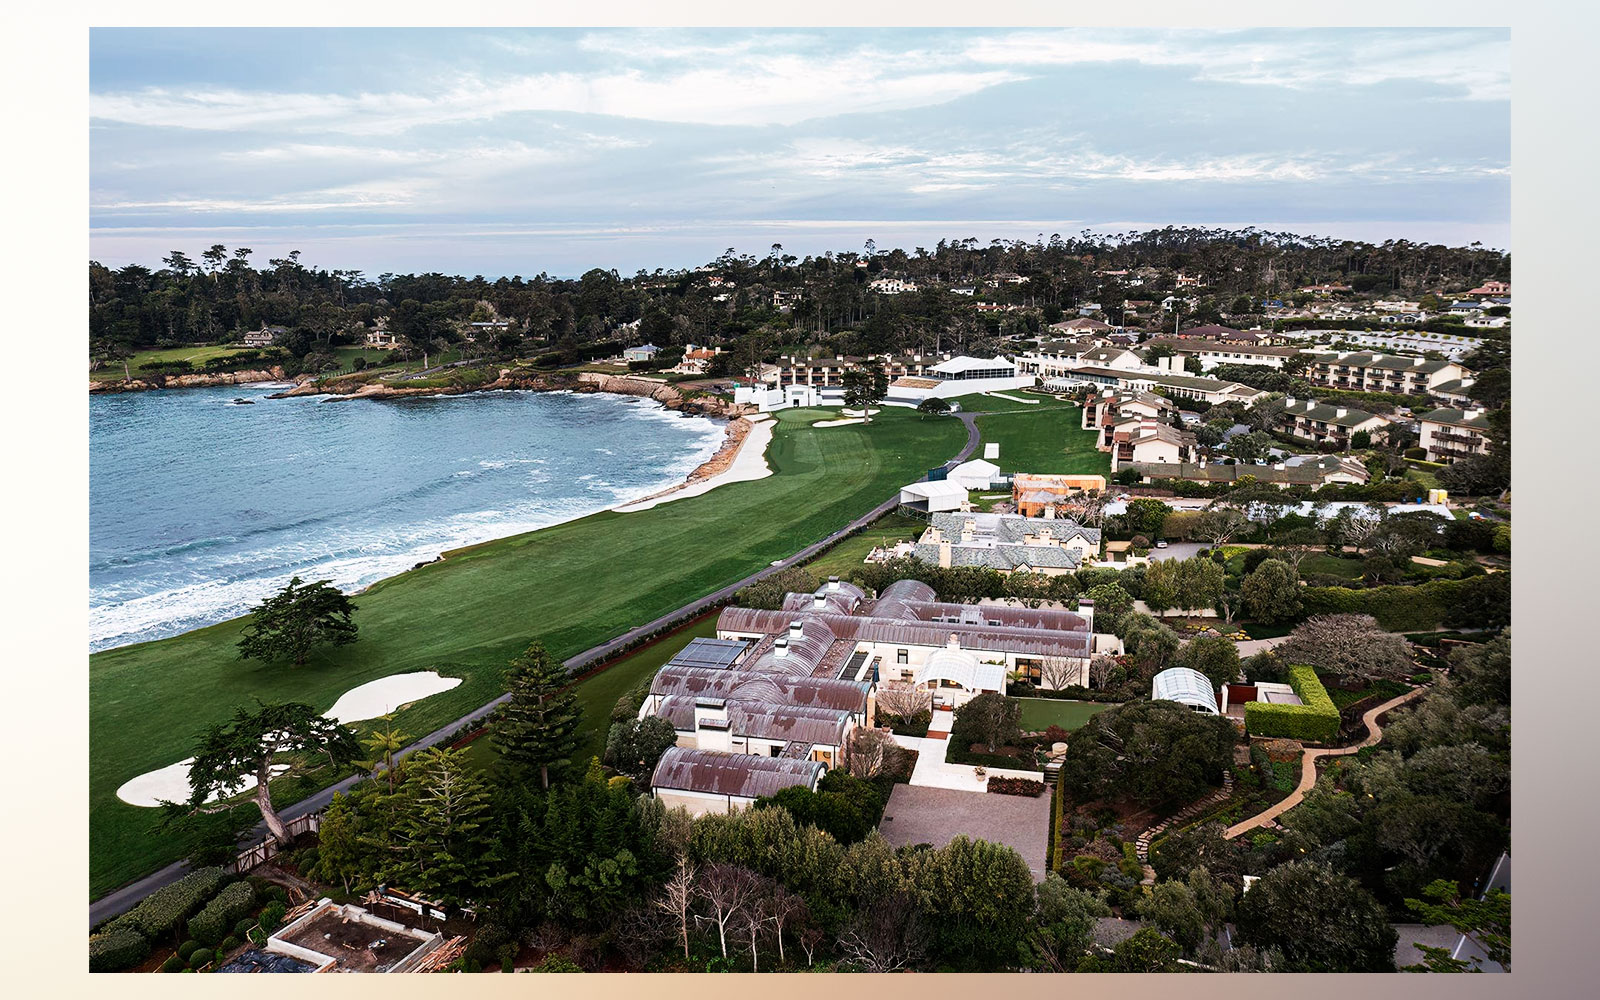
(273, 374)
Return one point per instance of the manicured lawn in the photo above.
(196, 356)
(1041, 713)
(1044, 439)
(850, 553)
(1349, 569)
(570, 586)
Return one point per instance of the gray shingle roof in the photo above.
(1456, 417)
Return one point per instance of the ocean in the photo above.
(199, 507)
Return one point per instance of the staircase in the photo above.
(1188, 812)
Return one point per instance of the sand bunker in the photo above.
(171, 784)
(749, 464)
(840, 423)
(370, 700)
(386, 694)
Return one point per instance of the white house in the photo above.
(644, 352)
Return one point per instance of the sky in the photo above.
(502, 151)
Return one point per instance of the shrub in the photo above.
(211, 924)
(174, 964)
(557, 963)
(228, 944)
(1475, 602)
(1315, 721)
(272, 916)
(164, 910)
(117, 949)
(201, 958)
(242, 928)
(1016, 786)
(188, 948)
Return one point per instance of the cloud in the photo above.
(1477, 63)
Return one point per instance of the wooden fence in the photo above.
(263, 852)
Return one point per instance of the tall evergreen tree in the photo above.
(444, 845)
(538, 729)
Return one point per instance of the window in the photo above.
(774, 750)
(902, 656)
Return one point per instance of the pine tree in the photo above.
(538, 729)
(444, 844)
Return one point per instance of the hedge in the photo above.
(1315, 721)
(1474, 602)
(212, 924)
(161, 912)
(117, 949)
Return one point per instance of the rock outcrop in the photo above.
(197, 381)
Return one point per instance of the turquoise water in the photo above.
(199, 507)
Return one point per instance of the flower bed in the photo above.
(1016, 786)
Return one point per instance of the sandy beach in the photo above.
(747, 462)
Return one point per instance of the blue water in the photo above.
(198, 507)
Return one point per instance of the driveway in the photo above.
(1177, 550)
(921, 815)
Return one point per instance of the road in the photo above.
(124, 899)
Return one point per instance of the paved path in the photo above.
(1308, 764)
(125, 898)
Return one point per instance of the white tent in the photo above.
(976, 474)
(939, 496)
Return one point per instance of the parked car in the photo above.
(1161, 543)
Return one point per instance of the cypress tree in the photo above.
(539, 727)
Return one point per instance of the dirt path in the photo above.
(1308, 764)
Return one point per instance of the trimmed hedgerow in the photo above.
(1474, 602)
(164, 910)
(188, 948)
(116, 950)
(200, 959)
(1016, 786)
(1315, 721)
(174, 964)
(211, 924)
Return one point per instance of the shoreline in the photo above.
(701, 479)
(742, 458)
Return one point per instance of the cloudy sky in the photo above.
(514, 152)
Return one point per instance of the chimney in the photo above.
(1340, 412)
(1419, 361)
(780, 648)
(818, 600)
(796, 629)
(833, 583)
(944, 553)
(1050, 513)
(1288, 402)
(954, 643)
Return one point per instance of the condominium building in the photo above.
(1367, 371)
(1449, 434)
(1325, 423)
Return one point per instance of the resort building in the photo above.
(1448, 434)
(1310, 471)
(1323, 423)
(1366, 371)
(958, 376)
(1009, 543)
(1214, 352)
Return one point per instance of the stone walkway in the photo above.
(1308, 764)
(934, 771)
(1188, 812)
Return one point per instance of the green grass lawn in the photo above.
(850, 553)
(570, 586)
(1041, 713)
(196, 356)
(1044, 439)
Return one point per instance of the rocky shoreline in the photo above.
(273, 374)
(355, 386)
